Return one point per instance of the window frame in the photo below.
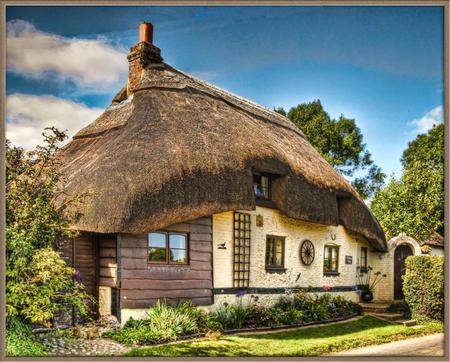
(331, 272)
(269, 186)
(275, 268)
(361, 268)
(167, 236)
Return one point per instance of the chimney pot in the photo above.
(146, 33)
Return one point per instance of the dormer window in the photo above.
(262, 186)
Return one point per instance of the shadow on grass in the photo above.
(363, 324)
(312, 341)
(215, 347)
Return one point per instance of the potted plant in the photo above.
(366, 285)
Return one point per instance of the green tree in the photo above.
(340, 142)
(35, 221)
(414, 204)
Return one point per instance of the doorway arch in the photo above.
(401, 253)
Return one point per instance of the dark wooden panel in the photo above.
(152, 294)
(85, 261)
(148, 282)
(159, 275)
(106, 282)
(147, 303)
(201, 221)
(107, 252)
(107, 262)
(107, 272)
(165, 284)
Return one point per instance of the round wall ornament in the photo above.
(307, 252)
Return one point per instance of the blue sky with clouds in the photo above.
(382, 66)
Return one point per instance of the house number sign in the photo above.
(348, 259)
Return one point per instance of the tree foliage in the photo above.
(340, 142)
(414, 204)
(37, 278)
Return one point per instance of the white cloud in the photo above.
(28, 115)
(91, 64)
(428, 120)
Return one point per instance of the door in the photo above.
(401, 253)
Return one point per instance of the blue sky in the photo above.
(382, 66)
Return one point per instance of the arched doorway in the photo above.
(401, 253)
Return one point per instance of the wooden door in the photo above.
(401, 253)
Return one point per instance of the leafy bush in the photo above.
(49, 283)
(164, 323)
(20, 340)
(259, 316)
(232, 316)
(400, 307)
(36, 277)
(423, 287)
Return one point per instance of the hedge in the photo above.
(423, 287)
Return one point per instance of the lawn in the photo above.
(312, 341)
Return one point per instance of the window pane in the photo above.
(177, 241)
(157, 240)
(265, 186)
(178, 255)
(157, 254)
(269, 252)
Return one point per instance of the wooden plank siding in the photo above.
(107, 262)
(80, 253)
(142, 283)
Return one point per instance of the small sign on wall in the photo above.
(348, 259)
(259, 220)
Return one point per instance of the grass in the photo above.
(313, 341)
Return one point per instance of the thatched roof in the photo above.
(180, 148)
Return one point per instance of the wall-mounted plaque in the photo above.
(348, 259)
(259, 220)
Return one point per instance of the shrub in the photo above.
(423, 287)
(259, 316)
(50, 282)
(232, 316)
(400, 307)
(286, 316)
(20, 340)
(36, 277)
(164, 323)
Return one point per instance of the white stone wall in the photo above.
(436, 251)
(294, 231)
(384, 262)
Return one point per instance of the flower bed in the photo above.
(169, 323)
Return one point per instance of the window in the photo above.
(274, 253)
(331, 259)
(363, 260)
(262, 185)
(167, 248)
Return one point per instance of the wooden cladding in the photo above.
(107, 260)
(143, 283)
(241, 250)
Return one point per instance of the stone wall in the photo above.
(296, 274)
(384, 262)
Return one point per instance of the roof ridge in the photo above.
(251, 104)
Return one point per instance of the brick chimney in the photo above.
(141, 55)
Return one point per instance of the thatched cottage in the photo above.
(197, 193)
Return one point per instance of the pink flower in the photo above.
(327, 287)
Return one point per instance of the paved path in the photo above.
(432, 345)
